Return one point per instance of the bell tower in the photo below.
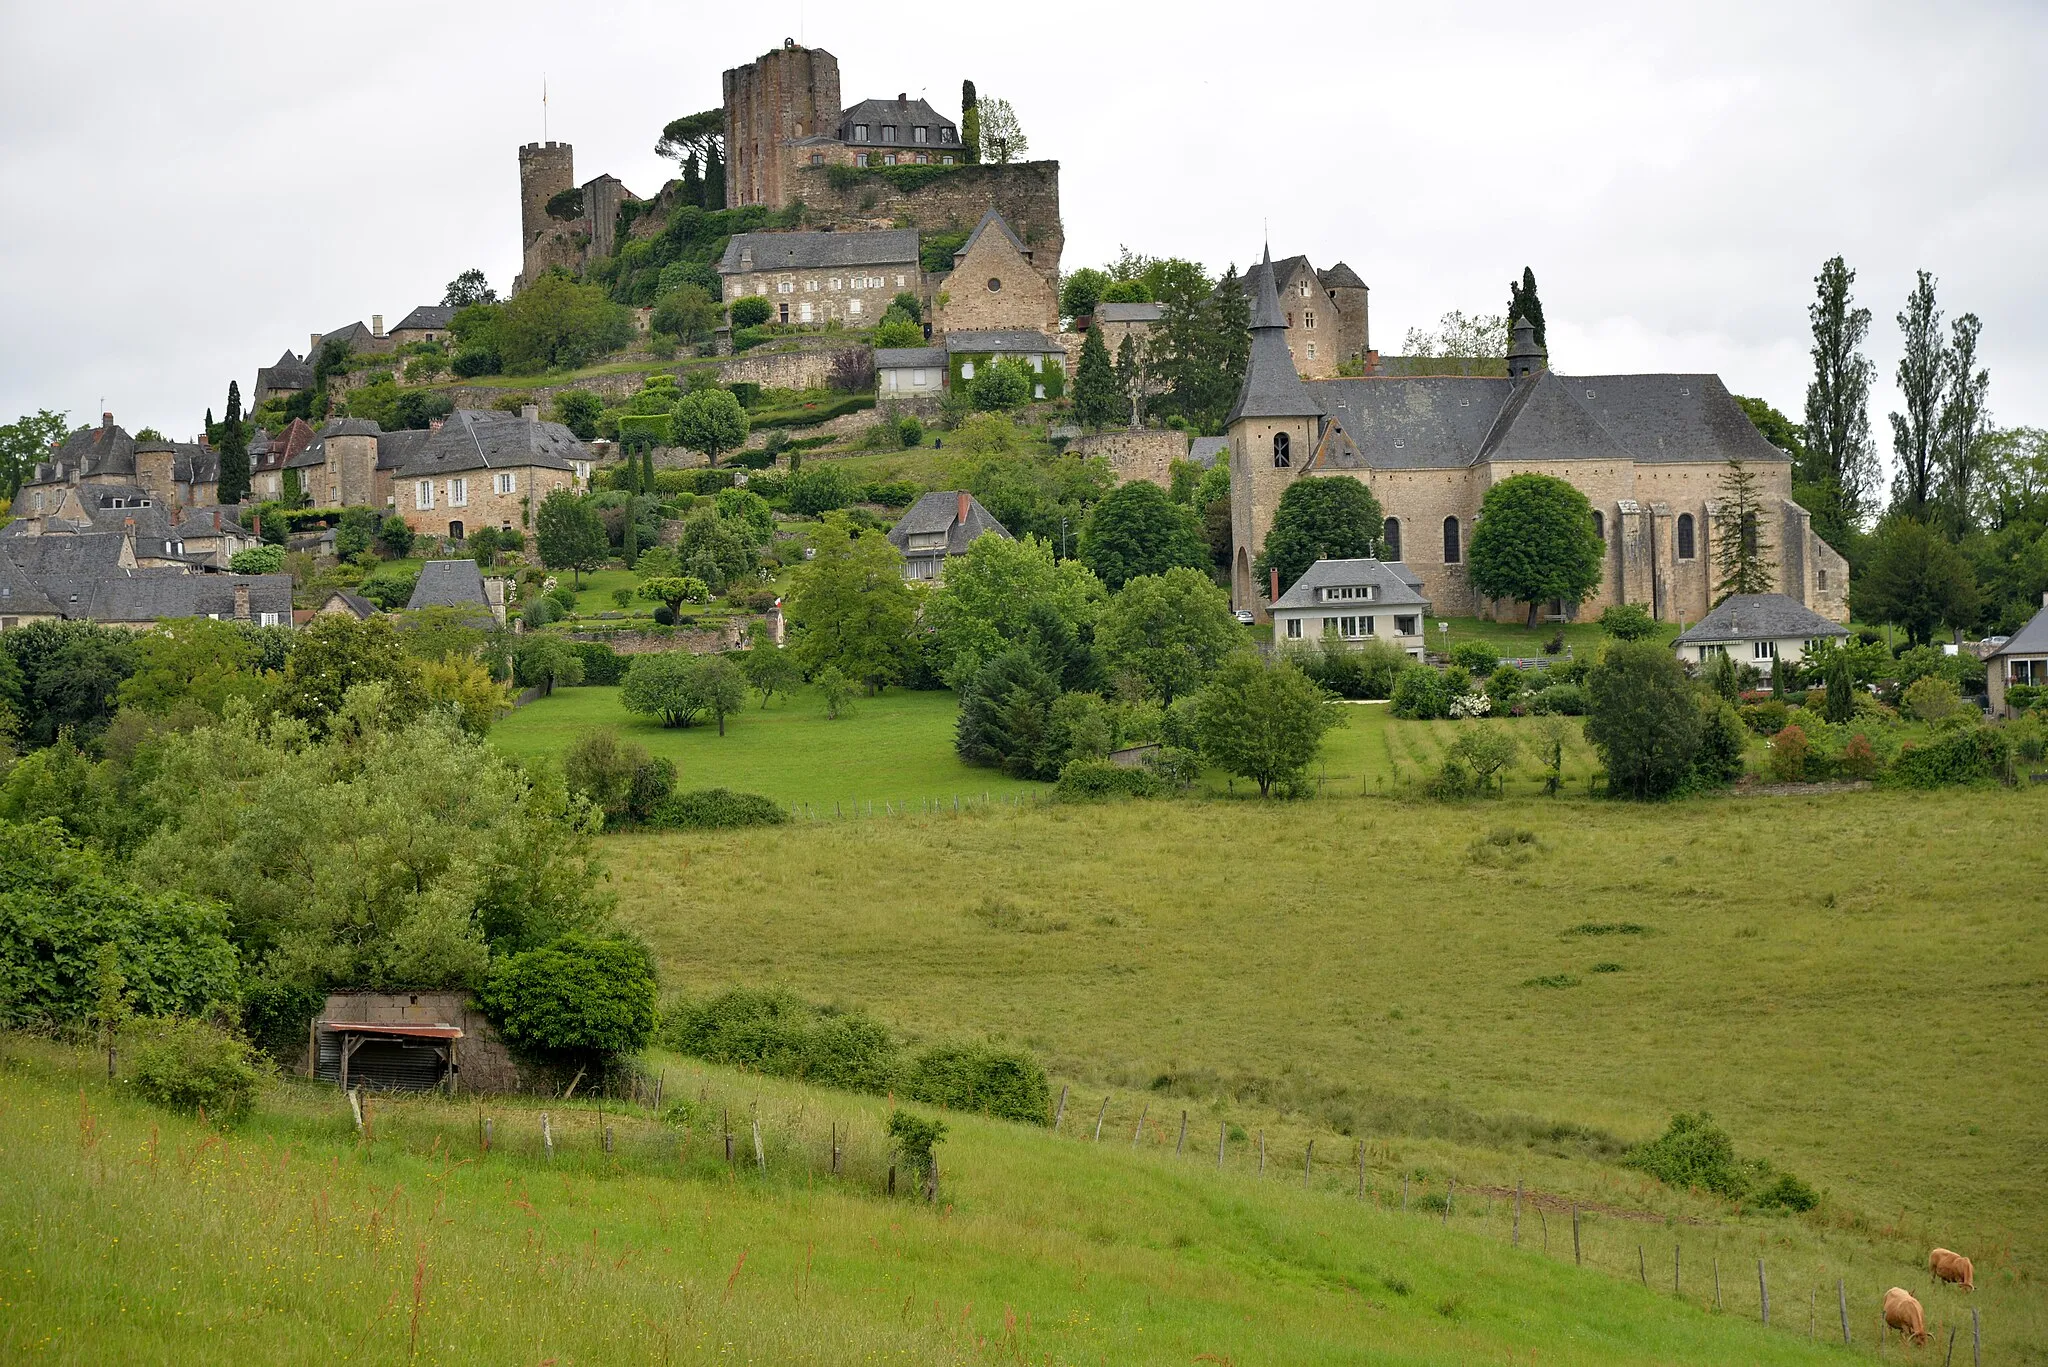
(1273, 429)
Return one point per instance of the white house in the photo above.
(1354, 601)
(1756, 629)
(910, 372)
(2021, 660)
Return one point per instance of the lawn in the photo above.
(131, 1234)
(891, 749)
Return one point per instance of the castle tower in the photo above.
(545, 170)
(790, 93)
(1273, 429)
(1525, 358)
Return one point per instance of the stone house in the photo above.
(2021, 660)
(1650, 452)
(898, 132)
(487, 469)
(816, 278)
(995, 285)
(160, 473)
(1135, 321)
(212, 536)
(1327, 313)
(1757, 629)
(458, 584)
(408, 1041)
(269, 456)
(22, 601)
(970, 353)
(1353, 601)
(427, 323)
(341, 603)
(287, 377)
(910, 372)
(939, 525)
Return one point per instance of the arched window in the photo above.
(1453, 545)
(1391, 534)
(1685, 549)
(1599, 524)
(1281, 455)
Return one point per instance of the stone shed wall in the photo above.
(1136, 453)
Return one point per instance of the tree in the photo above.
(970, 122)
(1081, 291)
(1171, 630)
(1198, 350)
(257, 560)
(395, 536)
(1128, 379)
(24, 443)
(541, 661)
(851, 610)
(817, 489)
(1742, 546)
(748, 512)
(837, 691)
(1097, 400)
(1137, 530)
(672, 591)
(1006, 717)
(1641, 717)
(1839, 460)
(556, 323)
(1480, 337)
(1916, 433)
(1914, 578)
(896, 330)
(195, 660)
(233, 444)
(990, 595)
(2012, 489)
(569, 534)
(676, 686)
(1839, 705)
(468, 288)
(338, 654)
(1262, 720)
(750, 311)
(1535, 542)
(1523, 303)
(711, 421)
(1628, 622)
(1774, 427)
(687, 313)
(581, 1000)
(770, 670)
(1002, 138)
(1001, 385)
(1964, 420)
(1486, 750)
(699, 135)
(64, 674)
(723, 685)
(578, 410)
(1320, 519)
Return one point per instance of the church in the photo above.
(1650, 453)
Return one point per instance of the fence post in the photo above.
(1222, 1134)
(1577, 1261)
(1308, 1161)
(1518, 1215)
(1404, 1193)
(728, 1136)
(1674, 1268)
(1180, 1145)
(1361, 1169)
(1139, 1132)
(1642, 1267)
(1098, 1119)
(1717, 1284)
(1450, 1193)
(1060, 1111)
(1262, 1153)
(547, 1136)
(760, 1156)
(835, 1148)
(660, 1081)
(1763, 1291)
(607, 1140)
(487, 1134)
(1976, 1339)
(1841, 1294)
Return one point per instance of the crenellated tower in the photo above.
(545, 170)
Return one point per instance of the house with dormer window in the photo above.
(1352, 601)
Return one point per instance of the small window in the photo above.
(782, 313)
(923, 158)
(1308, 318)
(803, 311)
(1763, 650)
(507, 484)
(1454, 547)
(860, 158)
(1303, 288)
(423, 494)
(945, 132)
(835, 284)
(817, 158)
(1820, 579)
(1599, 524)
(946, 160)
(810, 287)
(917, 380)
(1282, 455)
(785, 287)
(1311, 351)
(1038, 364)
(920, 134)
(860, 134)
(1390, 533)
(1038, 391)
(888, 158)
(458, 492)
(1329, 626)
(1294, 628)
(1685, 543)
(967, 370)
(899, 282)
(1404, 626)
(853, 306)
(994, 285)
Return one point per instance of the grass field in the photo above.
(127, 1234)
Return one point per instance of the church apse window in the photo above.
(1453, 542)
(1599, 524)
(1685, 536)
(1390, 535)
(1282, 455)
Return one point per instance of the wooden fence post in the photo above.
(1577, 1261)
(1976, 1339)
(1098, 1119)
(1674, 1268)
(1950, 1356)
(1841, 1294)
(1222, 1137)
(547, 1136)
(1518, 1215)
(728, 1136)
(1763, 1291)
(607, 1139)
(487, 1134)
(1717, 1282)
(835, 1148)
(1642, 1267)
(355, 1108)
(1139, 1132)
(1404, 1193)
(1450, 1193)
(1262, 1153)
(1361, 1169)
(1308, 1162)
(1180, 1145)
(1543, 1223)
(760, 1156)
(1060, 1111)
(660, 1081)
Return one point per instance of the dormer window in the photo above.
(1351, 593)
(860, 132)
(888, 132)
(945, 133)
(920, 134)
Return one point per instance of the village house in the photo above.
(818, 278)
(910, 372)
(1355, 602)
(287, 377)
(937, 526)
(1757, 629)
(2021, 662)
(143, 473)
(269, 455)
(995, 285)
(458, 584)
(427, 323)
(487, 469)
(970, 353)
(898, 132)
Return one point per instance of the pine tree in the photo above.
(1523, 303)
(1097, 400)
(970, 121)
(234, 449)
(1840, 705)
(1742, 549)
(1840, 461)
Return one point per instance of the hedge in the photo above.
(716, 809)
(601, 664)
(1006, 1084)
(658, 428)
(777, 1033)
(1971, 754)
(1097, 780)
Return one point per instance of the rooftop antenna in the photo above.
(543, 107)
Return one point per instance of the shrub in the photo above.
(1421, 694)
(750, 312)
(258, 560)
(473, 361)
(1097, 780)
(776, 1033)
(275, 1014)
(1724, 741)
(1004, 1083)
(1765, 718)
(817, 489)
(716, 809)
(1789, 752)
(909, 431)
(915, 1138)
(1175, 768)
(1788, 1193)
(1859, 758)
(1692, 1152)
(1972, 754)
(746, 391)
(189, 1065)
(1559, 699)
(579, 999)
(620, 778)
(1929, 698)
(1627, 622)
(601, 664)
(1476, 656)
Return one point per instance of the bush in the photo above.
(1787, 1193)
(1475, 656)
(716, 809)
(1097, 780)
(1627, 622)
(909, 431)
(896, 493)
(1765, 718)
(778, 1034)
(1559, 699)
(750, 312)
(817, 489)
(1929, 698)
(1859, 758)
(188, 1065)
(1006, 1084)
(1790, 751)
(915, 1138)
(601, 664)
(1724, 742)
(620, 778)
(746, 391)
(258, 560)
(275, 1015)
(473, 361)
(579, 999)
(1972, 754)
(390, 590)
(1692, 1152)
(1421, 694)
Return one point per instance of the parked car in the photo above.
(1245, 616)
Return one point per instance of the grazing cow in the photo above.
(1952, 1267)
(1903, 1313)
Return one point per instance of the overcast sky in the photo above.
(190, 189)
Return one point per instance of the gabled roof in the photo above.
(19, 596)
(1674, 418)
(2031, 639)
(902, 113)
(198, 521)
(1759, 617)
(1019, 340)
(940, 512)
(991, 219)
(910, 358)
(1394, 581)
(396, 449)
(818, 251)
(353, 333)
(362, 608)
(149, 595)
(475, 440)
(1272, 387)
(1129, 313)
(1206, 451)
(81, 555)
(103, 450)
(449, 584)
(1433, 422)
(1541, 422)
(433, 316)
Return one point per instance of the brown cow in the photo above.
(1952, 1267)
(1903, 1313)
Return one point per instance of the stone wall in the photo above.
(787, 93)
(1027, 194)
(808, 368)
(483, 1062)
(1136, 453)
(698, 641)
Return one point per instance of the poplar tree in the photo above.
(1839, 458)
(1964, 420)
(1742, 548)
(1096, 400)
(1916, 432)
(970, 122)
(234, 450)
(1523, 303)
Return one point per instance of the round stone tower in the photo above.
(545, 170)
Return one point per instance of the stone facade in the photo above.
(811, 279)
(783, 96)
(456, 504)
(545, 170)
(1326, 311)
(1136, 453)
(995, 283)
(483, 1062)
(1026, 194)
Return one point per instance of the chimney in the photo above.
(216, 522)
(376, 325)
(259, 528)
(241, 602)
(903, 97)
(963, 506)
(106, 419)
(530, 412)
(1275, 572)
(313, 345)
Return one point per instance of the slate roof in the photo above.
(1022, 340)
(990, 218)
(198, 521)
(270, 453)
(315, 453)
(433, 316)
(1759, 617)
(2031, 639)
(1340, 277)
(1438, 421)
(449, 584)
(1395, 582)
(1206, 451)
(1541, 422)
(65, 556)
(903, 114)
(1129, 313)
(396, 449)
(362, 607)
(819, 251)
(289, 373)
(475, 440)
(910, 358)
(102, 450)
(352, 334)
(147, 595)
(19, 596)
(940, 512)
(1272, 387)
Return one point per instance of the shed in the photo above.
(389, 1057)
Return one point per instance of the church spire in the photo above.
(1272, 386)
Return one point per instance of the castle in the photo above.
(788, 141)
(1650, 452)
